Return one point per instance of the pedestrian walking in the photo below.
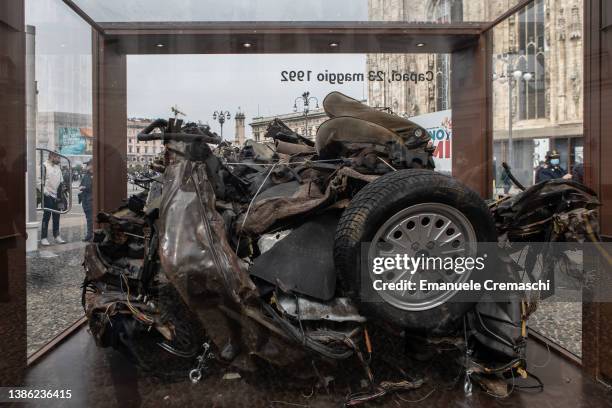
(53, 189)
(86, 199)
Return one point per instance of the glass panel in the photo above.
(59, 120)
(440, 11)
(537, 118)
(415, 86)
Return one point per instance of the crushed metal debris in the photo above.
(253, 252)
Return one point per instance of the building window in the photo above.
(444, 11)
(442, 82)
(532, 94)
(130, 149)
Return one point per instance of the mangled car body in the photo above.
(260, 252)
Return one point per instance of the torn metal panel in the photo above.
(305, 198)
(197, 258)
(264, 213)
(339, 105)
(528, 216)
(267, 241)
(303, 261)
(258, 152)
(336, 137)
(293, 148)
(279, 131)
(339, 309)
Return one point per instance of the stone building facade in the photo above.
(140, 153)
(239, 133)
(544, 40)
(304, 125)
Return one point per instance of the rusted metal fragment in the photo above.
(95, 268)
(304, 260)
(528, 216)
(264, 339)
(336, 310)
(258, 152)
(339, 105)
(278, 130)
(266, 212)
(196, 257)
(576, 225)
(349, 172)
(337, 136)
(293, 148)
(493, 385)
(267, 241)
(307, 197)
(199, 262)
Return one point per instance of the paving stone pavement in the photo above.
(54, 276)
(561, 322)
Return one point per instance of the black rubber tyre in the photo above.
(373, 206)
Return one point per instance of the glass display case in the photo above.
(119, 98)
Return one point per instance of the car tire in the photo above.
(372, 207)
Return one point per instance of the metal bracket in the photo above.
(197, 373)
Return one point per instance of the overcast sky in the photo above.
(197, 84)
(226, 10)
(202, 84)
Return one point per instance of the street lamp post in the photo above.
(513, 76)
(220, 116)
(305, 101)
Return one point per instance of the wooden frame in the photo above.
(56, 341)
(109, 123)
(12, 188)
(470, 45)
(597, 317)
(464, 41)
(111, 43)
(289, 37)
(471, 115)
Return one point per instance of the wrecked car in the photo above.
(259, 253)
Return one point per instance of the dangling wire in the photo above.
(547, 358)
(246, 215)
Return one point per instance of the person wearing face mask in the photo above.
(551, 168)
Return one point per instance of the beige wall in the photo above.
(140, 152)
(295, 121)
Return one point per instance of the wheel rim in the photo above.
(429, 229)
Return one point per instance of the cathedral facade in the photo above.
(537, 73)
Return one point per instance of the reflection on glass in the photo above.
(537, 121)
(438, 11)
(538, 104)
(60, 143)
(414, 86)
